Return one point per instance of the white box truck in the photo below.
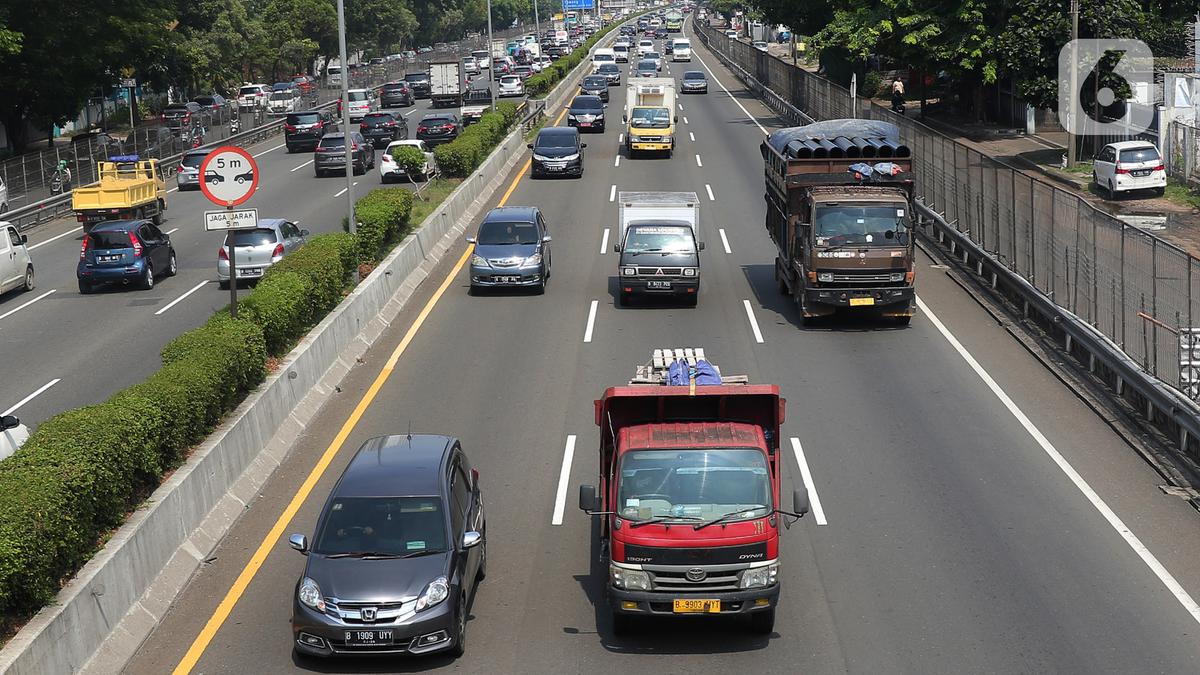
(659, 245)
(445, 84)
(650, 115)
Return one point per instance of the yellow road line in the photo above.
(200, 644)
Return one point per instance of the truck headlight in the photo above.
(535, 259)
(629, 272)
(668, 138)
(760, 577)
(689, 271)
(896, 276)
(310, 594)
(479, 261)
(825, 277)
(437, 591)
(630, 580)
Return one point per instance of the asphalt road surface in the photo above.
(63, 350)
(974, 516)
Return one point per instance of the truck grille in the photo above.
(648, 139)
(659, 271)
(677, 580)
(861, 278)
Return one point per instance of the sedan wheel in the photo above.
(172, 266)
(460, 629)
(28, 278)
(148, 278)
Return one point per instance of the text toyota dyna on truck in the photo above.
(839, 209)
(689, 493)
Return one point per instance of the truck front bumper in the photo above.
(675, 286)
(642, 145)
(889, 301)
(663, 604)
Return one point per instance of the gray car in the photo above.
(512, 249)
(397, 553)
(258, 249)
(188, 176)
(331, 154)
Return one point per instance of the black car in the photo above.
(331, 154)
(694, 81)
(302, 131)
(558, 151)
(439, 128)
(587, 112)
(216, 106)
(660, 33)
(595, 85)
(419, 84)
(396, 95)
(382, 128)
(179, 116)
(397, 553)
(610, 72)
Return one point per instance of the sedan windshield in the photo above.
(555, 141)
(694, 485)
(384, 526)
(594, 82)
(861, 224)
(693, 75)
(497, 233)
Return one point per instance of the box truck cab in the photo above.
(689, 493)
(681, 50)
(650, 115)
(658, 242)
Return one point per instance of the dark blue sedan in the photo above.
(124, 252)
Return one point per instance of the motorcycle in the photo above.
(898, 104)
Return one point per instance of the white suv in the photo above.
(1129, 165)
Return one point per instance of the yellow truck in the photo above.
(128, 188)
(650, 115)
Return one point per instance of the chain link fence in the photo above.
(1140, 291)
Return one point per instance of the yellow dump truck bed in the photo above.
(122, 185)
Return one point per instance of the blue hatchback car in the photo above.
(125, 252)
(512, 249)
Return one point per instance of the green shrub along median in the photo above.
(458, 158)
(382, 220)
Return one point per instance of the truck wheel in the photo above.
(622, 624)
(781, 282)
(763, 623)
(158, 216)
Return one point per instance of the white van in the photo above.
(621, 51)
(334, 73)
(681, 50)
(16, 267)
(602, 56)
(12, 435)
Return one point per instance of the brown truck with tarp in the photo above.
(839, 209)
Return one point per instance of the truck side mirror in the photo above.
(24, 239)
(677, 118)
(588, 498)
(800, 501)
(625, 118)
(700, 246)
(616, 248)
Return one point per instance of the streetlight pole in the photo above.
(537, 24)
(347, 141)
(1072, 135)
(492, 53)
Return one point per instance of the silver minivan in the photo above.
(258, 249)
(16, 267)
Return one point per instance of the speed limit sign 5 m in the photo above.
(229, 176)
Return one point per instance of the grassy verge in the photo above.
(434, 194)
(1179, 193)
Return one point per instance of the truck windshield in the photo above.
(861, 224)
(660, 239)
(694, 484)
(650, 118)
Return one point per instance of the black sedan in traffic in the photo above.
(381, 128)
(595, 85)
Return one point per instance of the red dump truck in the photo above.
(689, 493)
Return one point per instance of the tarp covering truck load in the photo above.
(839, 209)
(689, 493)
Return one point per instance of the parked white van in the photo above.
(681, 49)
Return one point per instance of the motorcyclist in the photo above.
(63, 173)
(898, 95)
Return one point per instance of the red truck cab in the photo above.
(689, 493)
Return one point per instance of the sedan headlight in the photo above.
(569, 158)
(572, 116)
(310, 594)
(760, 577)
(540, 158)
(479, 261)
(629, 272)
(689, 271)
(437, 591)
(535, 259)
(896, 276)
(630, 580)
(825, 277)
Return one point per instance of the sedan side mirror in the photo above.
(471, 539)
(304, 233)
(546, 239)
(470, 240)
(299, 542)
(583, 145)
(800, 501)
(529, 145)
(589, 499)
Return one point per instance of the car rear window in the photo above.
(358, 96)
(193, 161)
(259, 237)
(204, 100)
(247, 91)
(416, 77)
(435, 121)
(333, 142)
(394, 88)
(107, 241)
(304, 118)
(376, 118)
(1140, 155)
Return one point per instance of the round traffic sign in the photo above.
(229, 176)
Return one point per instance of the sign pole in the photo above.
(228, 177)
(232, 270)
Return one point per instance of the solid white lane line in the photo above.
(708, 189)
(173, 230)
(604, 242)
(814, 500)
(301, 166)
(1055, 456)
(564, 477)
(617, 161)
(753, 321)
(176, 301)
(591, 322)
(612, 193)
(55, 238)
(268, 150)
(692, 136)
(21, 307)
(724, 240)
(32, 396)
(733, 98)
(698, 162)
